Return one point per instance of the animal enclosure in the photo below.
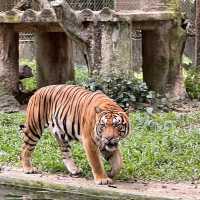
(104, 36)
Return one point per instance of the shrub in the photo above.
(192, 83)
(81, 74)
(124, 89)
(30, 84)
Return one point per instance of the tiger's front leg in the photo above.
(115, 160)
(25, 157)
(93, 155)
(116, 163)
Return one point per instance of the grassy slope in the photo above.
(159, 147)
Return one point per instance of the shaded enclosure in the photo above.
(104, 36)
(54, 58)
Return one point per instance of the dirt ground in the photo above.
(186, 106)
(170, 190)
(139, 189)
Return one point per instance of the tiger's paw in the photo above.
(30, 170)
(110, 174)
(76, 174)
(103, 181)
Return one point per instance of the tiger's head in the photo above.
(110, 128)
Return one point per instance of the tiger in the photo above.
(74, 113)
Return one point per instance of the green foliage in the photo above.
(10, 142)
(160, 147)
(124, 89)
(81, 75)
(30, 84)
(186, 61)
(192, 83)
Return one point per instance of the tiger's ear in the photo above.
(125, 112)
(98, 110)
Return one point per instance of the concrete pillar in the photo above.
(155, 53)
(54, 58)
(162, 53)
(111, 47)
(9, 68)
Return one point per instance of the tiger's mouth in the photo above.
(110, 146)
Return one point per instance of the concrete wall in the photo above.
(146, 5)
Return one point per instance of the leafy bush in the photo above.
(192, 83)
(186, 61)
(81, 74)
(124, 89)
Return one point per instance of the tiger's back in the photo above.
(66, 107)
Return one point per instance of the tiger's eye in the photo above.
(120, 127)
(102, 125)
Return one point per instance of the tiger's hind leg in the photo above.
(66, 154)
(30, 141)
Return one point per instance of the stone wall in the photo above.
(125, 5)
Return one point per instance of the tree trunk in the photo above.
(9, 69)
(197, 38)
(54, 58)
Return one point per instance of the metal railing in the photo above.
(75, 4)
(145, 5)
(91, 4)
(26, 37)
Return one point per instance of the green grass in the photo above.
(160, 147)
(30, 84)
(81, 74)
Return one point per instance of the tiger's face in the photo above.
(110, 128)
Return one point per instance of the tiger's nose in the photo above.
(109, 138)
(111, 141)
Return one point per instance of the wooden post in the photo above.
(9, 68)
(54, 58)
